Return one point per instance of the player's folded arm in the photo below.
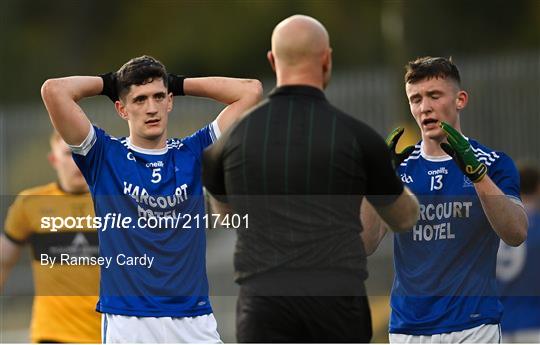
(238, 94)
(60, 97)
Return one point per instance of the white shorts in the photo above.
(483, 334)
(133, 329)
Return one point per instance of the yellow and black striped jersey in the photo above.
(65, 296)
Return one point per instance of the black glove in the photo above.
(109, 86)
(176, 84)
(391, 141)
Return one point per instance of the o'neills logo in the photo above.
(158, 164)
(441, 170)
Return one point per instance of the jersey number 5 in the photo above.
(436, 182)
(156, 175)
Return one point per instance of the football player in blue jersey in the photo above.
(153, 284)
(444, 285)
(517, 268)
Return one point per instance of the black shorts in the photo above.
(302, 319)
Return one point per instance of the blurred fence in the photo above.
(503, 113)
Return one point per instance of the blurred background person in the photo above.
(65, 296)
(517, 268)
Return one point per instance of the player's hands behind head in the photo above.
(110, 88)
(391, 141)
(176, 84)
(461, 151)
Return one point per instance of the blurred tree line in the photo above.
(42, 39)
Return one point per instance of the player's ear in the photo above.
(327, 60)
(121, 109)
(270, 58)
(170, 102)
(327, 66)
(461, 100)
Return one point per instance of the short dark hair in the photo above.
(529, 175)
(431, 67)
(139, 71)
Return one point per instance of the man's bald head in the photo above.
(301, 52)
(299, 39)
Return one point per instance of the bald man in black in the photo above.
(300, 168)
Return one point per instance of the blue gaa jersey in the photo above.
(519, 280)
(148, 270)
(445, 266)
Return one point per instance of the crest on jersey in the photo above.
(467, 182)
(174, 144)
(406, 178)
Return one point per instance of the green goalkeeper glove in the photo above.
(461, 151)
(391, 141)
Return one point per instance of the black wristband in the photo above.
(176, 84)
(109, 86)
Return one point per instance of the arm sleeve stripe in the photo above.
(215, 133)
(492, 154)
(86, 145)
